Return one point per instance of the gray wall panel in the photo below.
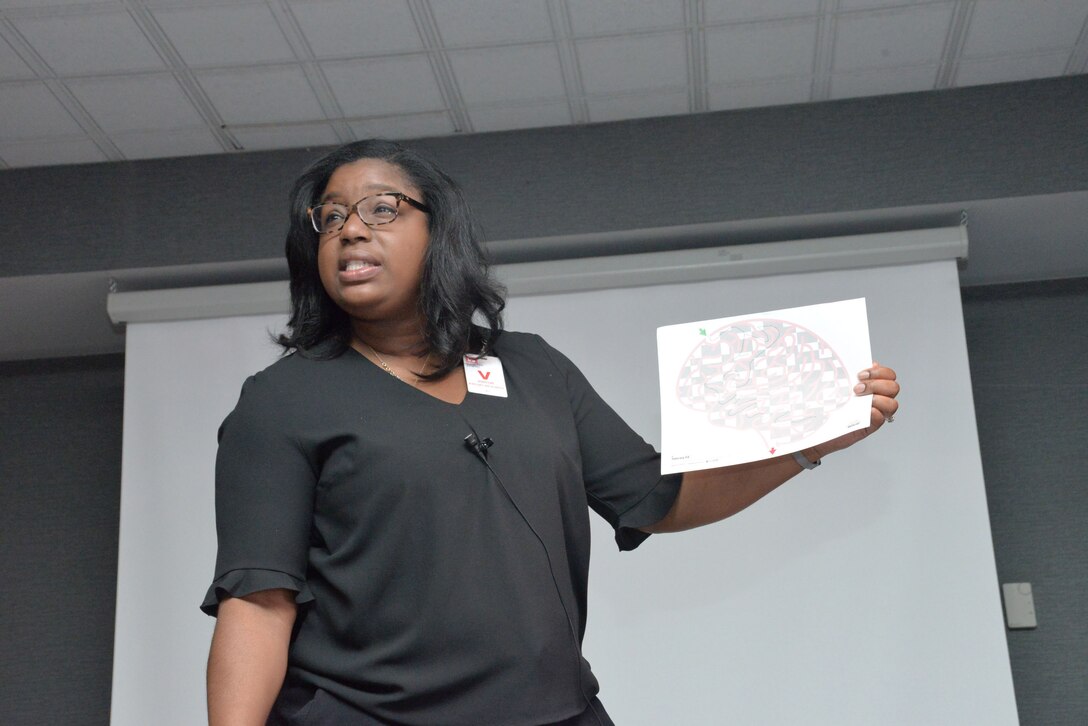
(1029, 367)
(60, 487)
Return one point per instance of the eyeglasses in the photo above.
(374, 210)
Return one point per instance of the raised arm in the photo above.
(248, 657)
(713, 494)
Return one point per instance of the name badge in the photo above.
(484, 375)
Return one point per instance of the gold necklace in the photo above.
(390, 371)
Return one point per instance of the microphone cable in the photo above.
(479, 447)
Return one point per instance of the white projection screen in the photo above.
(863, 592)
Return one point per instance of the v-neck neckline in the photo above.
(401, 382)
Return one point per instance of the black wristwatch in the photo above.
(803, 460)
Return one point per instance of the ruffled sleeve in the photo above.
(264, 492)
(239, 583)
(622, 472)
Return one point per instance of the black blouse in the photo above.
(432, 589)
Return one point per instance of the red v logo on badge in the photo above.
(484, 375)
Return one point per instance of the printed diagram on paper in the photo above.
(752, 387)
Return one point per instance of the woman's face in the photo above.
(373, 273)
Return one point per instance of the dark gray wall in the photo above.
(60, 495)
(1029, 370)
(61, 420)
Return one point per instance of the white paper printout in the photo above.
(752, 387)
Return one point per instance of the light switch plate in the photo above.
(1019, 605)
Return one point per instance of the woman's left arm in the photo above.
(711, 495)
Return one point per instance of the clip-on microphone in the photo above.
(478, 446)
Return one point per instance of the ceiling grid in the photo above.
(559, 15)
(76, 110)
(954, 42)
(825, 51)
(696, 47)
(1078, 59)
(440, 64)
(61, 93)
(184, 76)
(85, 81)
(330, 107)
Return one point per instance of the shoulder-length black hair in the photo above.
(455, 288)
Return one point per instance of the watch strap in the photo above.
(804, 461)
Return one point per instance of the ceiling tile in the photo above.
(747, 52)
(505, 118)
(48, 153)
(884, 81)
(136, 103)
(287, 136)
(152, 4)
(31, 4)
(91, 42)
(233, 35)
(508, 74)
(1003, 70)
(1010, 26)
(383, 87)
(11, 65)
(633, 63)
(645, 105)
(165, 144)
(350, 28)
(414, 126)
(31, 111)
(892, 37)
(261, 95)
(775, 93)
(732, 11)
(845, 5)
(492, 21)
(589, 17)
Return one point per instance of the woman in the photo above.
(380, 561)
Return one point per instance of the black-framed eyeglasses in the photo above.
(377, 209)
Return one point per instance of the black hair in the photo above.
(455, 285)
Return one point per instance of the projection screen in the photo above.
(863, 592)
